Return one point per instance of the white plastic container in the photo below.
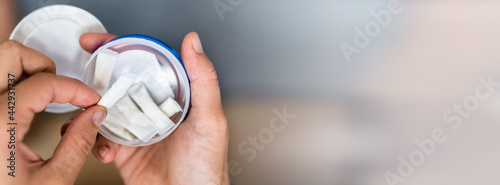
(55, 31)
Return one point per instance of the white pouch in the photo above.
(117, 90)
(135, 120)
(118, 130)
(103, 68)
(134, 61)
(170, 107)
(157, 84)
(141, 97)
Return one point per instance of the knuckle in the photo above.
(10, 43)
(47, 78)
(11, 47)
(85, 143)
(212, 74)
(47, 66)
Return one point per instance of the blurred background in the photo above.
(355, 120)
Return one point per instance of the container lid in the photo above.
(55, 31)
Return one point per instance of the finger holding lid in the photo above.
(35, 93)
(92, 41)
(17, 59)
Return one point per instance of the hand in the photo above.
(32, 95)
(8, 18)
(196, 152)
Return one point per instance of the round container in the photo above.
(55, 31)
(170, 63)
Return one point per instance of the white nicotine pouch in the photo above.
(117, 90)
(141, 97)
(105, 63)
(170, 107)
(134, 120)
(157, 84)
(118, 130)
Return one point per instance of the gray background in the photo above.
(261, 48)
(353, 119)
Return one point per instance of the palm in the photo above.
(196, 152)
(187, 152)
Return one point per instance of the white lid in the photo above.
(55, 31)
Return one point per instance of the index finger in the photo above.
(35, 93)
(17, 59)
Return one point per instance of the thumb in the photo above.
(77, 143)
(205, 92)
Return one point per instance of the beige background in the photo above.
(428, 59)
(43, 138)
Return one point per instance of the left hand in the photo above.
(32, 95)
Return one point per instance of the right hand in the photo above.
(196, 152)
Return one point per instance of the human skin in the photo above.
(196, 152)
(37, 85)
(8, 18)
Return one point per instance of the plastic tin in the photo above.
(169, 61)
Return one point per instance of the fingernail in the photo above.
(99, 117)
(197, 44)
(102, 151)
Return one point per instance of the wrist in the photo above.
(132, 177)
